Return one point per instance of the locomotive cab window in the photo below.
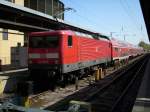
(44, 42)
(69, 41)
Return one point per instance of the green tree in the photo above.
(144, 45)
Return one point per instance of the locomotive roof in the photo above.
(97, 36)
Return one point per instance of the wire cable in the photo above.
(133, 17)
(87, 19)
(130, 17)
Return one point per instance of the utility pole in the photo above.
(124, 36)
(111, 34)
(122, 29)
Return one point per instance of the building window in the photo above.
(49, 7)
(41, 5)
(55, 7)
(69, 41)
(5, 34)
(18, 44)
(27, 3)
(10, 1)
(34, 4)
(61, 10)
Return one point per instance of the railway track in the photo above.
(47, 98)
(115, 93)
(99, 94)
(119, 94)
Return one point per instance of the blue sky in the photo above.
(123, 17)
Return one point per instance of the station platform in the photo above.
(142, 103)
(10, 78)
(13, 71)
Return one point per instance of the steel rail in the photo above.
(113, 80)
(128, 86)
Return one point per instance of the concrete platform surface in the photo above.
(142, 103)
(141, 109)
(9, 79)
(13, 71)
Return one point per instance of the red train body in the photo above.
(120, 50)
(65, 51)
(123, 50)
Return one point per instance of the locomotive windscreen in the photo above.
(44, 42)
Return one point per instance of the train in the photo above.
(66, 53)
(123, 51)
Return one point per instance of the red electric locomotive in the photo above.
(65, 51)
(62, 53)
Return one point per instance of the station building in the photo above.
(11, 39)
(8, 39)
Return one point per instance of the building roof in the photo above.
(25, 19)
(146, 13)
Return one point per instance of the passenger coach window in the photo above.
(116, 49)
(69, 40)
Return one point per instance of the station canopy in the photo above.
(24, 19)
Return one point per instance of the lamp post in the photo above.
(124, 36)
(111, 33)
(60, 13)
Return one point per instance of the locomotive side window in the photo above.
(44, 42)
(70, 41)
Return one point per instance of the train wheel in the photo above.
(76, 83)
(72, 79)
(51, 81)
(63, 81)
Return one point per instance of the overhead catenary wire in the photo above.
(128, 10)
(127, 13)
(130, 16)
(87, 19)
(134, 17)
